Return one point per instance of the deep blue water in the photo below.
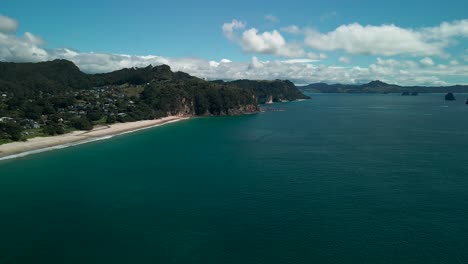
(335, 179)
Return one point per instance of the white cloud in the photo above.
(389, 40)
(381, 40)
(297, 70)
(30, 38)
(269, 43)
(427, 61)
(292, 29)
(304, 68)
(385, 40)
(465, 56)
(255, 64)
(21, 49)
(300, 61)
(271, 18)
(8, 24)
(315, 56)
(345, 60)
(229, 28)
(458, 28)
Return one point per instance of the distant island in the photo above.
(55, 98)
(381, 87)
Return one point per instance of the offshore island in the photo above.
(53, 104)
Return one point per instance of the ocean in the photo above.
(335, 179)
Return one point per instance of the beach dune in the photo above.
(37, 144)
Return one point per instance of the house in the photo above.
(4, 119)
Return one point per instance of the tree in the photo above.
(11, 130)
(94, 115)
(82, 123)
(52, 129)
(111, 119)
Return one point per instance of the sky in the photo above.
(410, 43)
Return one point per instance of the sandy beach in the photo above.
(40, 144)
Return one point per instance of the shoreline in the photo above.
(42, 144)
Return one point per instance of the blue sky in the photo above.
(188, 36)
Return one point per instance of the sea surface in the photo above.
(336, 179)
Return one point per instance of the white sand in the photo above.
(40, 144)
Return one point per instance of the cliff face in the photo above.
(187, 108)
(159, 91)
(198, 97)
(269, 91)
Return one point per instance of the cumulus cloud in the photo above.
(345, 60)
(385, 40)
(8, 24)
(377, 40)
(292, 29)
(299, 61)
(300, 71)
(388, 40)
(304, 67)
(269, 43)
(458, 28)
(427, 61)
(21, 49)
(465, 56)
(315, 56)
(229, 28)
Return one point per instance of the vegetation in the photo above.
(10, 131)
(55, 97)
(380, 87)
(276, 91)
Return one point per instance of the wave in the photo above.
(41, 150)
(72, 144)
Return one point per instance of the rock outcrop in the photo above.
(449, 97)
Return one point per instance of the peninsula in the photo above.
(380, 87)
(53, 103)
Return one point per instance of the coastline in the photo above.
(42, 144)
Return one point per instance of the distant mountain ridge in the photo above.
(380, 87)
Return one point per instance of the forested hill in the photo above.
(380, 87)
(61, 75)
(54, 97)
(269, 91)
(58, 76)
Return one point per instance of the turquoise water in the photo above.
(335, 179)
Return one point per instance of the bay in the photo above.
(335, 179)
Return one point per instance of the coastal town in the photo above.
(73, 110)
